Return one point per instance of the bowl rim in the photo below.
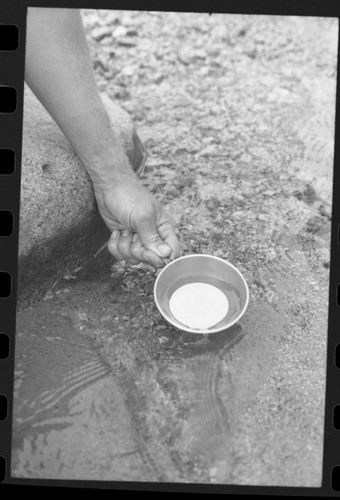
(210, 330)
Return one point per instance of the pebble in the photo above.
(211, 204)
(111, 17)
(158, 79)
(262, 217)
(271, 297)
(219, 253)
(119, 32)
(239, 213)
(163, 340)
(204, 71)
(271, 254)
(128, 71)
(239, 199)
(185, 55)
(131, 32)
(128, 20)
(309, 194)
(213, 51)
(126, 42)
(209, 150)
(200, 54)
(220, 32)
(101, 32)
(324, 212)
(247, 192)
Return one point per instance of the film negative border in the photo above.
(331, 465)
(12, 26)
(12, 37)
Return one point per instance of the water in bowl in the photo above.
(199, 305)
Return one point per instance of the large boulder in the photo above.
(60, 226)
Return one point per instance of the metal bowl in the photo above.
(204, 269)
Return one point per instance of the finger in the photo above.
(167, 232)
(150, 257)
(143, 255)
(150, 238)
(124, 246)
(113, 245)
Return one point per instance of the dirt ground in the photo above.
(237, 113)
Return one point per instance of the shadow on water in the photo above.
(218, 343)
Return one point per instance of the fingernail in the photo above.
(164, 249)
(114, 234)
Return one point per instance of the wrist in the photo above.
(96, 144)
(106, 164)
(105, 182)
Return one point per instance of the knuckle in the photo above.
(152, 239)
(135, 253)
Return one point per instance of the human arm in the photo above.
(59, 71)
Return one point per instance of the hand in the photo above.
(125, 205)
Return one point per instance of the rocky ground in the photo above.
(237, 113)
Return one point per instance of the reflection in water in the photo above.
(192, 377)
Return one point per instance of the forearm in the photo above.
(59, 71)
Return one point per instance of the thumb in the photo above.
(151, 240)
